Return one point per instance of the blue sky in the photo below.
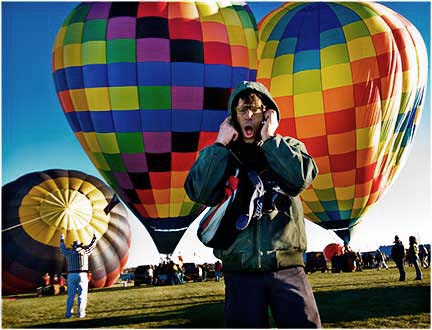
(36, 135)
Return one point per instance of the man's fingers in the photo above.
(227, 120)
(227, 132)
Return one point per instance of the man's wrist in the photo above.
(218, 143)
(268, 137)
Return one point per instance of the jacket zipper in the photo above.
(258, 242)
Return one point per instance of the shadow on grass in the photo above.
(207, 315)
(164, 303)
(334, 306)
(362, 304)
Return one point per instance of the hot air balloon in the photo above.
(38, 207)
(145, 86)
(331, 250)
(350, 79)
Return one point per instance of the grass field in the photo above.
(368, 299)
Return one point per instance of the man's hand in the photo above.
(62, 236)
(227, 132)
(270, 125)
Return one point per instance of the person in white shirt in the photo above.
(77, 266)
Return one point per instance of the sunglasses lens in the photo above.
(254, 108)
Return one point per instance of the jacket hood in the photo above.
(257, 88)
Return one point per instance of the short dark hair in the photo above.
(249, 97)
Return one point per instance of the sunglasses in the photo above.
(255, 109)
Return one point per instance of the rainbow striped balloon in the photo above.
(40, 206)
(350, 80)
(145, 86)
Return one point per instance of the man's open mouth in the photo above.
(248, 132)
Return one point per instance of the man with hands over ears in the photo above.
(252, 121)
(263, 267)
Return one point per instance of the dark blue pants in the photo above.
(415, 262)
(400, 265)
(287, 293)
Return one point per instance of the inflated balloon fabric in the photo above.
(349, 79)
(331, 250)
(40, 206)
(145, 86)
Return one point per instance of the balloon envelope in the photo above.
(38, 207)
(350, 80)
(145, 86)
(331, 250)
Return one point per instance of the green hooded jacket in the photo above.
(277, 240)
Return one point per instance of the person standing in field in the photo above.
(77, 278)
(398, 255)
(218, 270)
(423, 256)
(380, 258)
(413, 256)
(263, 268)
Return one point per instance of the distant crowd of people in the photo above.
(174, 273)
(57, 284)
(377, 259)
(51, 285)
(347, 260)
(415, 256)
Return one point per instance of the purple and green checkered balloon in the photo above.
(145, 86)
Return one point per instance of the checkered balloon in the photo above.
(349, 79)
(145, 86)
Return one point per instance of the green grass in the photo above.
(368, 299)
